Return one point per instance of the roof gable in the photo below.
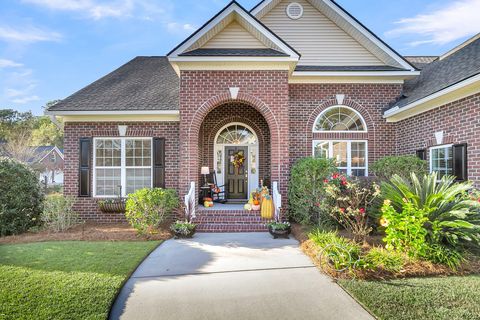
(374, 47)
(236, 36)
(233, 12)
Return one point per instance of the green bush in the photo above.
(339, 252)
(58, 214)
(405, 231)
(146, 209)
(379, 258)
(306, 191)
(20, 198)
(454, 218)
(387, 167)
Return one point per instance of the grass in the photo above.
(449, 298)
(65, 280)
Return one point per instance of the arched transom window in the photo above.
(339, 119)
(236, 134)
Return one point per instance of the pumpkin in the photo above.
(256, 207)
(247, 207)
(267, 211)
(256, 202)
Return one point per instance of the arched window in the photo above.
(339, 119)
(236, 134)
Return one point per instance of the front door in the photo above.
(236, 178)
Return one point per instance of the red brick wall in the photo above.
(235, 112)
(203, 91)
(307, 101)
(87, 207)
(460, 122)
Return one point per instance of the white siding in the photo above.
(234, 36)
(319, 40)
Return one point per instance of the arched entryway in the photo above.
(230, 130)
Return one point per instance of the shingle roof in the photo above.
(442, 74)
(348, 68)
(421, 61)
(264, 52)
(144, 83)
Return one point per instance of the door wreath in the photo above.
(238, 160)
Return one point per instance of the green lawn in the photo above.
(449, 298)
(65, 280)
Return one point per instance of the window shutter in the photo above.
(158, 162)
(460, 163)
(84, 167)
(422, 154)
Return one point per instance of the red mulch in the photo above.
(88, 232)
(411, 269)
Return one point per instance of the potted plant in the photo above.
(279, 229)
(255, 196)
(184, 228)
(117, 205)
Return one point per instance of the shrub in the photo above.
(444, 255)
(454, 218)
(387, 167)
(405, 230)
(306, 192)
(351, 203)
(338, 252)
(183, 228)
(146, 209)
(20, 198)
(379, 258)
(58, 214)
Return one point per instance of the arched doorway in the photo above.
(233, 142)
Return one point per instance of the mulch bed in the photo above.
(88, 232)
(411, 269)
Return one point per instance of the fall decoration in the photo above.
(238, 160)
(267, 207)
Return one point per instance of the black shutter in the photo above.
(84, 167)
(460, 163)
(422, 154)
(158, 162)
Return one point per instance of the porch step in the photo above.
(230, 221)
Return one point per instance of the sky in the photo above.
(50, 49)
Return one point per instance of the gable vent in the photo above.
(294, 10)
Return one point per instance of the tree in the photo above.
(46, 133)
(11, 120)
(18, 145)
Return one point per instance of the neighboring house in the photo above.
(286, 80)
(49, 161)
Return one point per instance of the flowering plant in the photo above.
(350, 200)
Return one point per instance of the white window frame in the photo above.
(430, 153)
(349, 154)
(123, 165)
(340, 131)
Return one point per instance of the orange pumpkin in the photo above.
(256, 202)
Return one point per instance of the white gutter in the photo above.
(396, 109)
(116, 113)
(355, 73)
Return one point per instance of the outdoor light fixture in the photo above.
(204, 171)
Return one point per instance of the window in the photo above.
(339, 119)
(350, 156)
(236, 134)
(122, 166)
(441, 160)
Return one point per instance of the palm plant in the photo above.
(454, 218)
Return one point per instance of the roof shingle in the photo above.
(144, 83)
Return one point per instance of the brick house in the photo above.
(288, 79)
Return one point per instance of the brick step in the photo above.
(231, 220)
(231, 227)
(215, 213)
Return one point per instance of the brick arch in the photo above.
(370, 135)
(261, 132)
(190, 145)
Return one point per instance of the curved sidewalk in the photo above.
(232, 276)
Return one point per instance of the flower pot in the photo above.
(180, 235)
(279, 233)
(112, 207)
(256, 207)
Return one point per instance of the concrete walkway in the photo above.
(232, 276)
